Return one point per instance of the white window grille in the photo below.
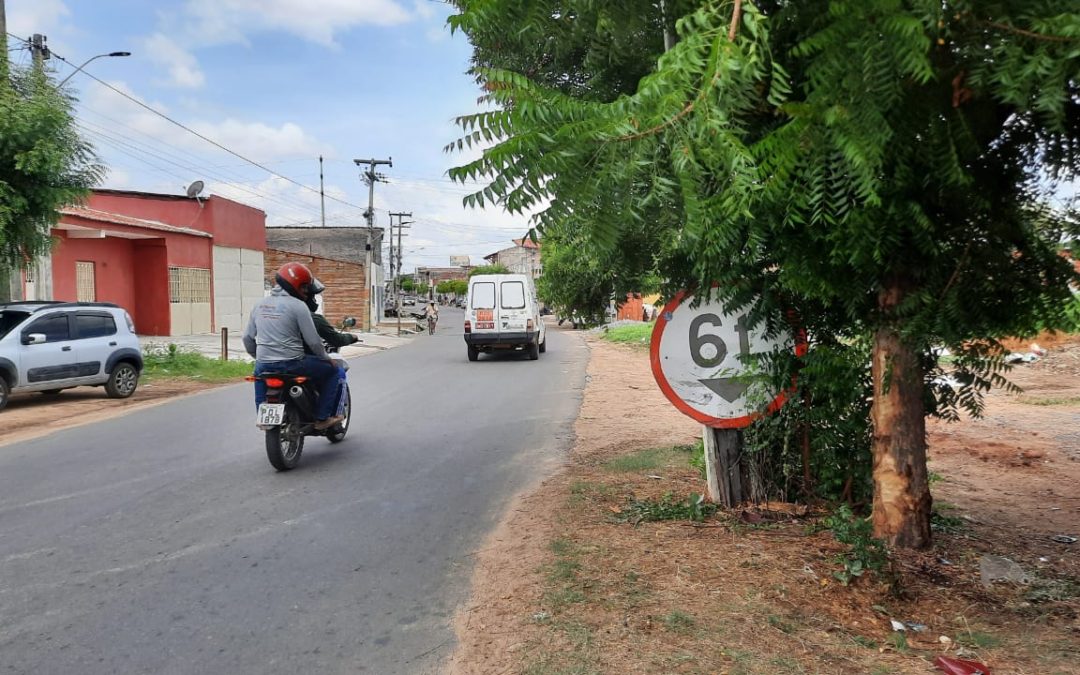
(85, 285)
(189, 285)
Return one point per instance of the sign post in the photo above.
(698, 359)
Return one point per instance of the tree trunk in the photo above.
(902, 500)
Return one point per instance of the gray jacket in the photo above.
(279, 328)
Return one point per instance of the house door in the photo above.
(189, 300)
(29, 284)
(85, 283)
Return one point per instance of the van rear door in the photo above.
(482, 306)
(513, 309)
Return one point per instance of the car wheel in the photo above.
(534, 351)
(5, 392)
(123, 380)
(543, 345)
(474, 353)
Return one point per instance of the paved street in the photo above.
(163, 541)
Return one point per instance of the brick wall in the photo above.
(346, 289)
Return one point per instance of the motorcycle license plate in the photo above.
(271, 414)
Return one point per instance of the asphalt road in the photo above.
(163, 541)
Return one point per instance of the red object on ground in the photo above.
(957, 667)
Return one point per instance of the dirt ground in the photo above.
(563, 587)
(31, 415)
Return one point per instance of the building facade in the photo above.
(179, 265)
(346, 292)
(521, 258)
(347, 259)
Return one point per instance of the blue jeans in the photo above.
(322, 373)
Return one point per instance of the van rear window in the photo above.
(513, 295)
(483, 295)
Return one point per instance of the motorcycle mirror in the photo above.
(348, 322)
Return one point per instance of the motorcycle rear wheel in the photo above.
(285, 443)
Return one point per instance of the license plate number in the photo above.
(272, 414)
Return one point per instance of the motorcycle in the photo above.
(288, 415)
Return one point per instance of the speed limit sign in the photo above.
(695, 356)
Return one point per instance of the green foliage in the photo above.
(632, 334)
(883, 167)
(865, 553)
(407, 284)
(693, 508)
(453, 287)
(172, 361)
(44, 163)
(489, 269)
(678, 621)
(829, 407)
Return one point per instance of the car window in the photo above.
(513, 295)
(483, 295)
(95, 325)
(54, 327)
(10, 319)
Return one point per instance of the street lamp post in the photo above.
(87, 61)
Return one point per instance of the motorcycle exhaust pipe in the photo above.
(296, 391)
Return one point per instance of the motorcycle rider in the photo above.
(277, 334)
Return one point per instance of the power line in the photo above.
(203, 137)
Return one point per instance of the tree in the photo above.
(407, 284)
(44, 163)
(453, 287)
(879, 166)
(489, 269)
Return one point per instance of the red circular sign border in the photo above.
(681, 405)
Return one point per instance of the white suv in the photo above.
(51, 346)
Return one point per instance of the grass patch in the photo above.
(939, 522)
(630, 334)
(1050, 400)
(652, 459)
(678, 621)
(975, 639)
(668, 507)
(170, 361)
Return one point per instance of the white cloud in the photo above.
(26, 17)
(255, 140)
(424, 8)
(183, 69)
(223, 21)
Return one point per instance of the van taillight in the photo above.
(468, 326)
(529, 325)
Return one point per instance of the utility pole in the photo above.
(401, 219)
(402, 224)
(40, 50)
(370, 177)
(322, 194)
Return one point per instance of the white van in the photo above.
(501, 312)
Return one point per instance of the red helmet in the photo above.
(295, 278)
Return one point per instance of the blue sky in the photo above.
(280, 82)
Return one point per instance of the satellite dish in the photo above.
(195, 189)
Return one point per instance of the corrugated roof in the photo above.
(119, 219)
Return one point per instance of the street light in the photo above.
(72, 74)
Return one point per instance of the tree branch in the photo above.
(1027, 33)
(736, 17)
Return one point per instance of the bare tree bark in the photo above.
(902, 501)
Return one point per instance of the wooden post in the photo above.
(723, 470)
(225, 344)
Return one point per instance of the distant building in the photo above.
(338, 257)
(521, 258)
(179, 265)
